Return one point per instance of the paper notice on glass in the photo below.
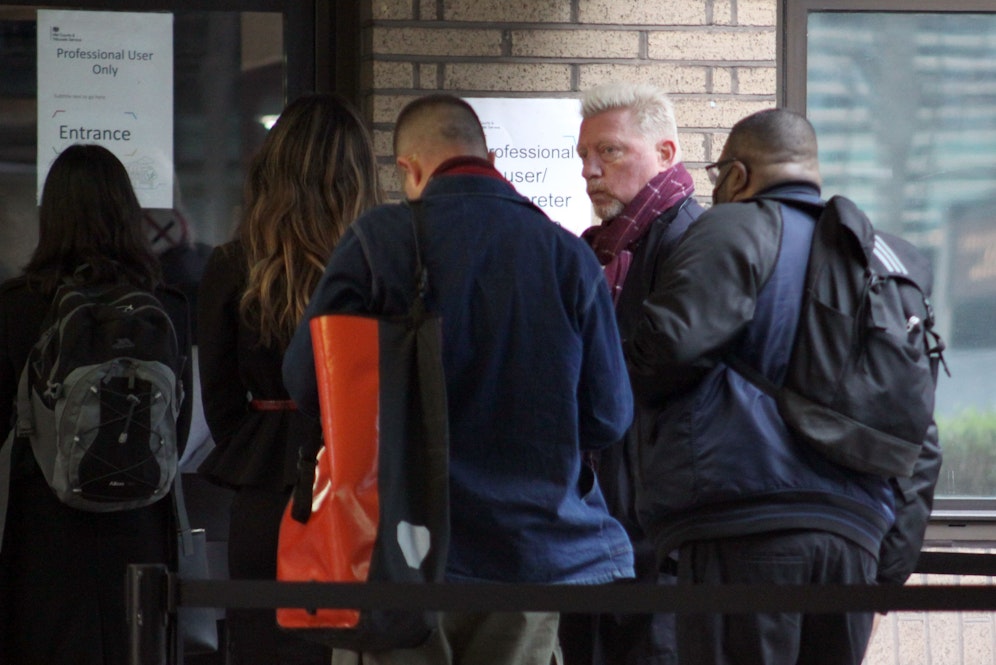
(535, 141)
(107, 78)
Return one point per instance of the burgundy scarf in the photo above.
(467, 165)
(613, 239)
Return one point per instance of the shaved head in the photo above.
(774, 136)
(765, 149)
(439, 125)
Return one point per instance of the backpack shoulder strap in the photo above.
(731, 358)
(838, 209)
(840, 214)
(752, 374)
(846, 214)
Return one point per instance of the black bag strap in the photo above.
(751, 373)
(307, 462)
(6, 462)
(418, 310)
(433, 405)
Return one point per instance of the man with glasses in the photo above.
(631, 162)
(716, 168)
(728, 487)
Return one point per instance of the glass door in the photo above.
(233, 69)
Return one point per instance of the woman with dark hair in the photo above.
(62, 570)
(314, 174)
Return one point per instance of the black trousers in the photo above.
(618, 639)
(786, 558)
(253, 635)
(623, 639)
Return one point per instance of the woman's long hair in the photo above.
(90, 224)
(314, 174)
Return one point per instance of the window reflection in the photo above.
(905, 108)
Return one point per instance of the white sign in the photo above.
(107, 78)
(535, 145)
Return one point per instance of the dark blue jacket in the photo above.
(723, 463)
(534, 373)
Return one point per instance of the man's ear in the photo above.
(739, 182)
(667, 153)
(414, 173)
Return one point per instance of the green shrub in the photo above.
(968, 441)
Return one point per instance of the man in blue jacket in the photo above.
(727, 486)
(534, 376)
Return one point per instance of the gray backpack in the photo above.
(99, 398)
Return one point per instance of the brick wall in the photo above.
(716, 57)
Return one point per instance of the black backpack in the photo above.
(100, 395)
(861, 376)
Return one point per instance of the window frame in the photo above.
(792, 36)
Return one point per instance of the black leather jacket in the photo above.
(617, 464)
(720, 461)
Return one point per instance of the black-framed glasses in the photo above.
(713, 170)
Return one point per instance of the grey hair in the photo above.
(650, 105)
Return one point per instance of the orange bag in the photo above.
(379, 504)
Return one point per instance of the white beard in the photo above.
(609, 210)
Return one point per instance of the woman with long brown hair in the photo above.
(314, 174)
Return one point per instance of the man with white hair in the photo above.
(638, 186)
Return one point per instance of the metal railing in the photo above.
(154, 594)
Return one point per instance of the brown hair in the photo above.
(314, 174)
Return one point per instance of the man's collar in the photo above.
(467, 165)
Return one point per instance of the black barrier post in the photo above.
(147, 605)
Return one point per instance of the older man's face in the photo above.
(616, 160)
